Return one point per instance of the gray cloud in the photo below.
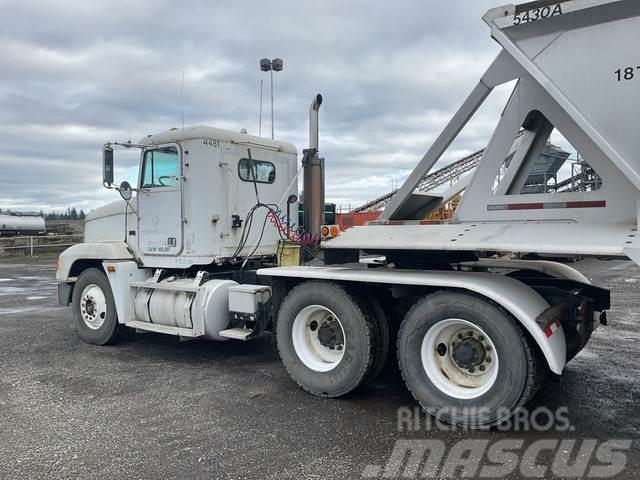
(76, 74)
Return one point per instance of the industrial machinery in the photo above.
(18, 223)
(547, 165)
(193, 253)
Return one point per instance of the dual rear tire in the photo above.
(330, 341)
(464, 359)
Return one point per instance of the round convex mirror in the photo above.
(125, 191)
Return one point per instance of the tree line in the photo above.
(70, 214)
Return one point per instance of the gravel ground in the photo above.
(154, 407)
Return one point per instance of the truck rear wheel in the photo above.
(380, 331)
(94, 310)
(325, 339)
(466, 360)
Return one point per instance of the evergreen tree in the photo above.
(71, 213)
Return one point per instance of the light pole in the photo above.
(271, 66)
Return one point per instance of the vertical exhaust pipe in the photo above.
(313, 178)
(313, 121)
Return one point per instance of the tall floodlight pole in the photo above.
(271, 66)
(260, 114)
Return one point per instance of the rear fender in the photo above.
(521, 301)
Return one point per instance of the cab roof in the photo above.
(176, 135)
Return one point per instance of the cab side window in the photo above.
(259, 171)
(160, 168)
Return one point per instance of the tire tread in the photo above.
(536, 371)
(369, 339)
(118, 328)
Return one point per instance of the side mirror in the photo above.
(125, 191)
(107, 165)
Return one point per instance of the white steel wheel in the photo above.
(94, 309)
(93, 306)
(325, 338)
(459, 358)
(465, 359)
(318, 338)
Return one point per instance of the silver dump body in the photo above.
(577, 66)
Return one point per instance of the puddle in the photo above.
(13, 311)
(11, 290)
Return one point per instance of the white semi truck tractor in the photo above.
(192, 249)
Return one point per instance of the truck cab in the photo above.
(195, 187)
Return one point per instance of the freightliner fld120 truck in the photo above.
(194, 252)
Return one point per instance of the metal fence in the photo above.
(34, 246)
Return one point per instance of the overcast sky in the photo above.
(77, 74)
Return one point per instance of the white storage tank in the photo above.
(15, 223)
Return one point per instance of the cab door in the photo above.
(160, 226)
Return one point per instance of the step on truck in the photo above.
(196, 249)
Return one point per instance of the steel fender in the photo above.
(121, 273)
(524, 303)
(90, 251)
(555, 269)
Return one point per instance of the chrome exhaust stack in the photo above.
(313, 121)
(313, 177)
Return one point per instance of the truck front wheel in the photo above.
(466, 360)
(94, 311)
(325, 339)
